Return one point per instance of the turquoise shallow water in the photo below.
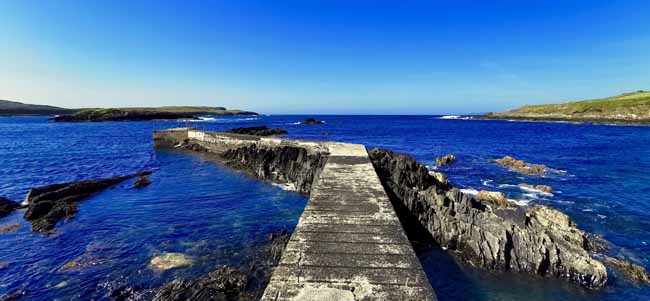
(218, 216)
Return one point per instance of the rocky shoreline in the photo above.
(537, 240)
(492, 235)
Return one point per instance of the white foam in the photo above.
(535, 191)
(469, 191)
(506, 185)
(520, 202)
(457, 117)
(286, 186)
(487, 183)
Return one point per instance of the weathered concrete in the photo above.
(349, 243)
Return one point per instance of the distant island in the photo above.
(13, 108)
(628, 109)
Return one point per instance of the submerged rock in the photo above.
(493, 197)
(444, 160)
(169, 261)
(13, 296)
(537, 240)
(49, 204)
(258, 131)
(9, 228)
(522, 167)
(142, 181)
(7, 206)
(633, 272)
(311, 121)
(228, 283)
(542, 188)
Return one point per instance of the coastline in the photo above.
(574, 120)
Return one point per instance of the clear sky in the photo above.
(330, 57)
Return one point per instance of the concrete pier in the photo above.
(349, 243)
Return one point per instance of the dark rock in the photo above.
(189, 145)
(225, 283)
(538, 240)
(311, 121)
(142, 181)
(49, 204)
(7, 206)
(444, 160)
(13, 296)
(284, 164)
(633, 272)
(258, 131)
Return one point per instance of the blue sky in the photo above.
(329, 57)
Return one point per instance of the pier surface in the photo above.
(349, 243)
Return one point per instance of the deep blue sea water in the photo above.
(218, 216)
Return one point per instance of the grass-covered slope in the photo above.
(633, 108)
(18, 108)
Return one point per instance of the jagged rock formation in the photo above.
(7, 206)
(49, 204)
(285, 164)
(258, 131)
(537, 240)
(444, 160)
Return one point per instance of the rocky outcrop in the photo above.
(49, 204)
(444, 160)
(493, 197)
(7, 206)
(537, 240)
(633, 272)
(523, 167)
(228, 283)
(542, 188)
(283, 164)
(258, 131)
(311, 121)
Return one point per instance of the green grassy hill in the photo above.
(18, 108)
(629, 107)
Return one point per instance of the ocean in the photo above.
(217, 216)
